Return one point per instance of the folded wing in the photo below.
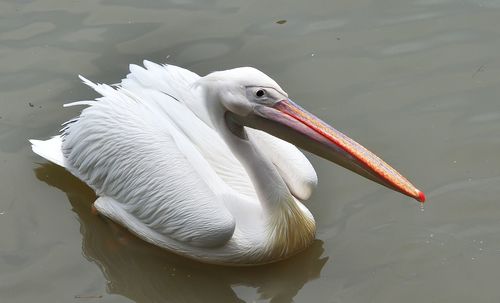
(129, 150)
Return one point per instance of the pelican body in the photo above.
(201, 166)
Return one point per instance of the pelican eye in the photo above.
(260, 93)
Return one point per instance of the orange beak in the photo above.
(290, 122)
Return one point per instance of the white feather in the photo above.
(293, 166)
(130, 151)
(49, 149)
(150, 151)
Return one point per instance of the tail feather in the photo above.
(49, 149)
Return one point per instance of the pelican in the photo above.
(201, 166)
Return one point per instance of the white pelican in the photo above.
(185, 163)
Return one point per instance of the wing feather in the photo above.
(129, 150)
(49, 149)
(292, 164)
(158, 85)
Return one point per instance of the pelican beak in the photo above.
(290, 122)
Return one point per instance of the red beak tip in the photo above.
(421, 197)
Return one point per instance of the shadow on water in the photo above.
(146, 273)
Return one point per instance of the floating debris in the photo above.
(480, 69)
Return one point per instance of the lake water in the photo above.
(418, 82)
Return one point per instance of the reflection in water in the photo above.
(146, 273)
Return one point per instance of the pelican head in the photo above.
(251, 98)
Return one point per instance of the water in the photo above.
(416, 82)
